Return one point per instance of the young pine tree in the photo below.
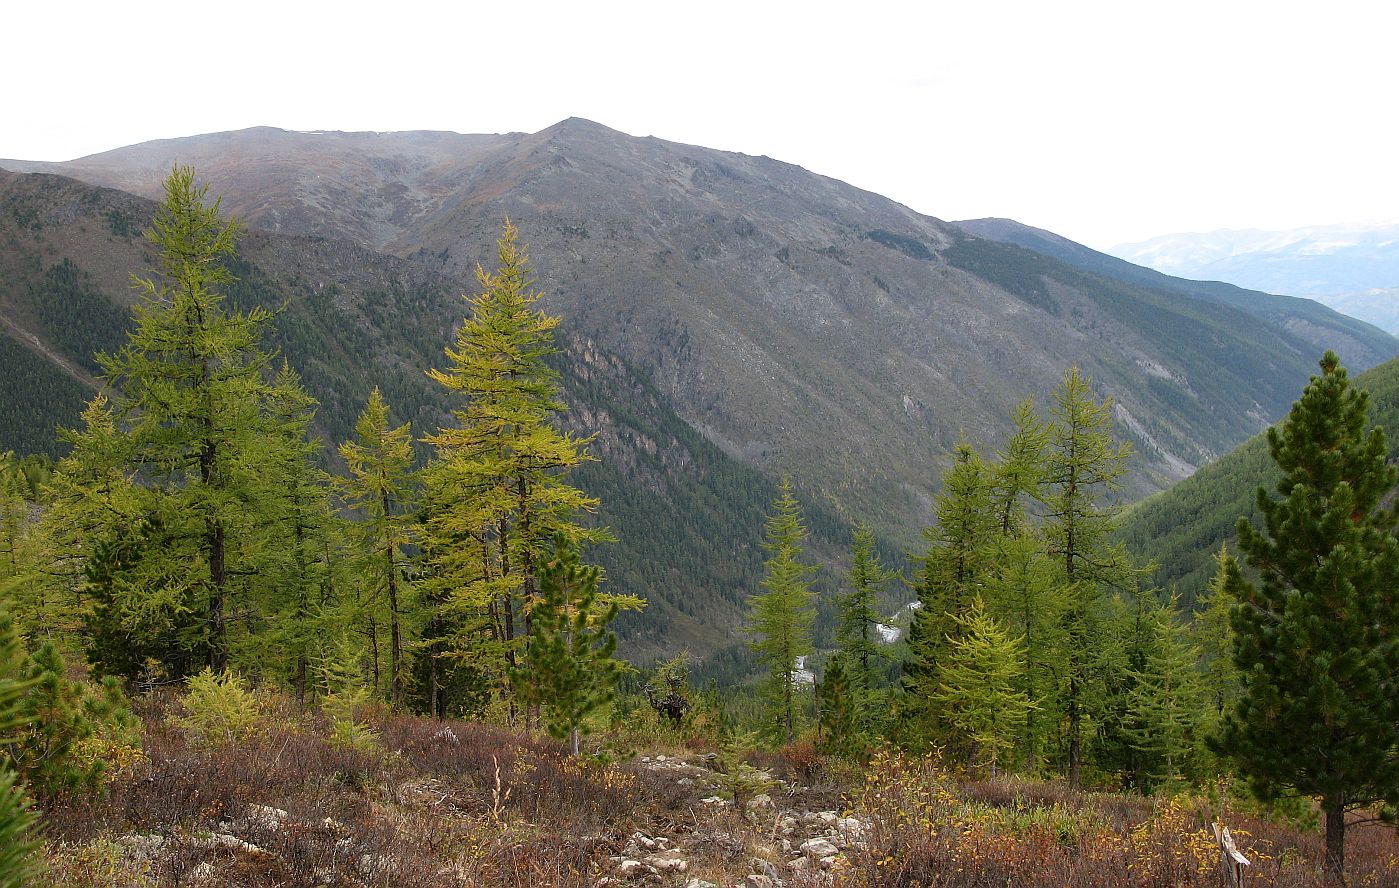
(380, 489)
(781, 617)
(1315, 635)
(568, 669)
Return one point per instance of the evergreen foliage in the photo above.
(19, 849)
(1167, 706)
(857, 631)
(1315, 632)
(74, 734)
(568, 667)
(1083, 466)
(780, 618)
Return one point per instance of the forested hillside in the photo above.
(1182, 528)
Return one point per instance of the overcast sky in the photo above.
(1105, 122)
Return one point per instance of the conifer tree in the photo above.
(498, 493)
(19, 850)
(1083, 465)
(959, 556)
(1166, 704)
(568, 668)
(1315, 632)
(842, 719)
(189, 421)
(1019, 471)
(1025, 595)
(297, 535)
(857, 626)
(1213, 634)
(979, 685)
(781, 617)
(379, 487)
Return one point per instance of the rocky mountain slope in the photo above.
(728, 319)
(799, 323)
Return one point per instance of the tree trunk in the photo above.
(1075, 737)
(1336, 839)
(218, 631)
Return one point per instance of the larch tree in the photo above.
(188, 420)
(1317, 645)
(959, 556)
(379, 488)
(1166, 705)
(979, 687)
(498, 493)
(857, 625)
(19, 847)
(781, 617)
(1083, 465)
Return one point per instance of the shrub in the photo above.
(219, 709)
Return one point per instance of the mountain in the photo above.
(687, 516)
(1344, 266)
(799, 323)
(1182, 528)
(728, 319)
(1355, 341)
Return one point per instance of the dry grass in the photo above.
(454, 803)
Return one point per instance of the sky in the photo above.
(1104, 122)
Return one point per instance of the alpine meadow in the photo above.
(568, 508)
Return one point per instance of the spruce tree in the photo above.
(1316, 640)
(380, 489)
(568, 669)
(780, 618)
(498, 495)
(1083, 465)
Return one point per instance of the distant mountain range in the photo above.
(728, 319)
(1352, 268)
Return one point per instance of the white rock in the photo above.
(819, 848)
(668, 862)
(761, 803)
(631, 869)
(223, 840)
(754, 880)
(700, 883)
(264, 817)
(714, 800)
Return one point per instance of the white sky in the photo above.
(1105, 122)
